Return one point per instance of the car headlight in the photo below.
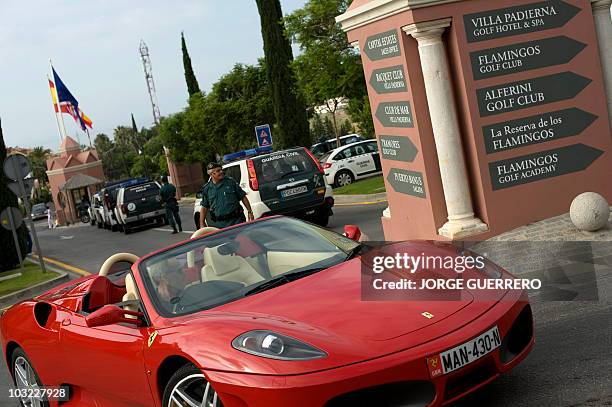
(273, 345)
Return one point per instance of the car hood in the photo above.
(325, 310)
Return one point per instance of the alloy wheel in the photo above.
(344, 179)
(25, 379)
(194, 391)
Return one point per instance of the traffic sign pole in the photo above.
(15, 238)
(26, 203)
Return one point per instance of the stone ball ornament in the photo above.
(589, 211)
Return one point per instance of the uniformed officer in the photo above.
(221, 196)
(167, 192)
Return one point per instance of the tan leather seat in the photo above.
(131, 294)
(228, 268)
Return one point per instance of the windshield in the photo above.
(278, 165)
(231, 264)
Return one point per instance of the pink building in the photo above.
(74, 176)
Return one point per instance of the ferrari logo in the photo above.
(152, 338)
(434, 363)
(427, 315)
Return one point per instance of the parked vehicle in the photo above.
(319, 149)
(109, 201)
(96, 210)
(346, 164)
(266, 313)
(139, 203)
(39, 211)
(288, 182)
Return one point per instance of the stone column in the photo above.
(603, 27)
(442, 109)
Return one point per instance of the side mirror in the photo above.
(352, 232)
(112, 314)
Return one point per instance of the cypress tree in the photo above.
(8, 255)
(289, 106)
(192, 83)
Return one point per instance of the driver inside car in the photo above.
(169, 279)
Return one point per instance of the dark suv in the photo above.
(140, 203)
(289, 182)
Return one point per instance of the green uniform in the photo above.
(223, 201)
(167, 192)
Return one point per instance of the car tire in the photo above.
(21, 362)
(322, 218)
(190, 382)
(342, 178)
(196, 220)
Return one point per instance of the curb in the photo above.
(62, 266)
(360, 199)
(29, 292)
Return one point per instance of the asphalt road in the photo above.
(571, 364)
(87, 247)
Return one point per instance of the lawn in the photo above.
(372, 185)
(31, 275)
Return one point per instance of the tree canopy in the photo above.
(289, 108)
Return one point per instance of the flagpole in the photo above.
(87, 130)
(54, 112)
(63, 125)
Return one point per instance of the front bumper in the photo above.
(334, 387)
(145, 216)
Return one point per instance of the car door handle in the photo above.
(66, 322)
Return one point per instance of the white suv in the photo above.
(346, 164)
(289, 182)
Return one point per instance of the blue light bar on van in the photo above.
(246, 153)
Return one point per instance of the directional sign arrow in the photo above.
(492, 62)
(506, 22)
(382, 45)
(407, 182)
(388, 80)
(536, 129)
(395, 114)
(508, 97)
(398, 148)
(542, 165)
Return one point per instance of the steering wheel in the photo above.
(198, 233)
(115, 258)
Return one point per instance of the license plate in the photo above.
(464, 354)
(294, 191)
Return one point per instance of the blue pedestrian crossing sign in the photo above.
(264, 135)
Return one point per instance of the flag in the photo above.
(66, 98)
(54, 99)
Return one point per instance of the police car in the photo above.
(319, 149)
(346, 164)
(139, 203)
(289, 182)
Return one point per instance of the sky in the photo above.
(94, 47)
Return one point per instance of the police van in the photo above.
(288, 182)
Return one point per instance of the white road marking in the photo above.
(170, 230)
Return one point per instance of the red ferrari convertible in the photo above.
(267, 313)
